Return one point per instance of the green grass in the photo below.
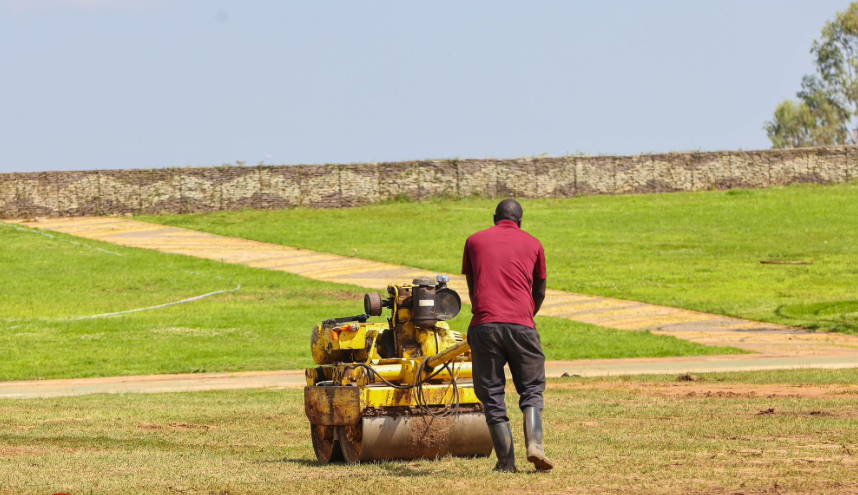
(700, 251)
(46, 283)
(603, 438)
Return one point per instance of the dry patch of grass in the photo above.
(722, 391)
(605, 437)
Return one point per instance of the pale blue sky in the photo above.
(90, 84)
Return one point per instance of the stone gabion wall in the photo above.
(187, 190)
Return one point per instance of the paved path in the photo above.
(776, 346)
(295, 378)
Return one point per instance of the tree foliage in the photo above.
(791, 127)
(828, 101)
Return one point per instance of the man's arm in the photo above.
(538, 292)
(467, 269)
(540, 274)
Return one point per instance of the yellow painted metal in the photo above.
(349, 339)
(349, 389)
(448, 354)
(406, 370)
(320, 374)
(332, 343)
(312, 375)
(435, 395)
(344, 406)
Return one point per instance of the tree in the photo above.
(816, 119)
(827, 102)
(792, 126)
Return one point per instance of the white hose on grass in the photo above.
(197, 298)
(183, 301)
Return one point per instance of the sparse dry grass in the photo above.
(605, 437)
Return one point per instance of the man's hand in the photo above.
(538, 291)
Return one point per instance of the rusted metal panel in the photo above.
(336, 405)
(331, 406)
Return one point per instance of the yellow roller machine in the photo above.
(399, 389)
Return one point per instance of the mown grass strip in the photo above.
(49, 282)
(699, 251)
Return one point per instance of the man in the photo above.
(505, 269)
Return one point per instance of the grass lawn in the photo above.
(700, 251)
(605, 436)
(46, 283)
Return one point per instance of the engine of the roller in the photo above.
(416, 329)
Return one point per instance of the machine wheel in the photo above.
(327, 447)
(351, 438)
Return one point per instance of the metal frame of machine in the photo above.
(395, 390)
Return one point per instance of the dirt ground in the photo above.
(692, 389)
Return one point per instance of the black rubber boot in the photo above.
(533, 439)
(504, 449)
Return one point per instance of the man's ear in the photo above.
(495, 219)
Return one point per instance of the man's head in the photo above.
(509, 209)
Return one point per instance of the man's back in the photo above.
(505, 270)
(504, 261)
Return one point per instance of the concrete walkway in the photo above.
(295, 378)
(776, 346)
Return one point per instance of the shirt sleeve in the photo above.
(540, 272)
(466, 259)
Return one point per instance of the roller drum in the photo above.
(380, 438)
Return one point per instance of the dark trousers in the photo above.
(492, 346)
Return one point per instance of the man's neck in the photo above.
(507, 223)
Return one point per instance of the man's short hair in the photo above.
(509, 209)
